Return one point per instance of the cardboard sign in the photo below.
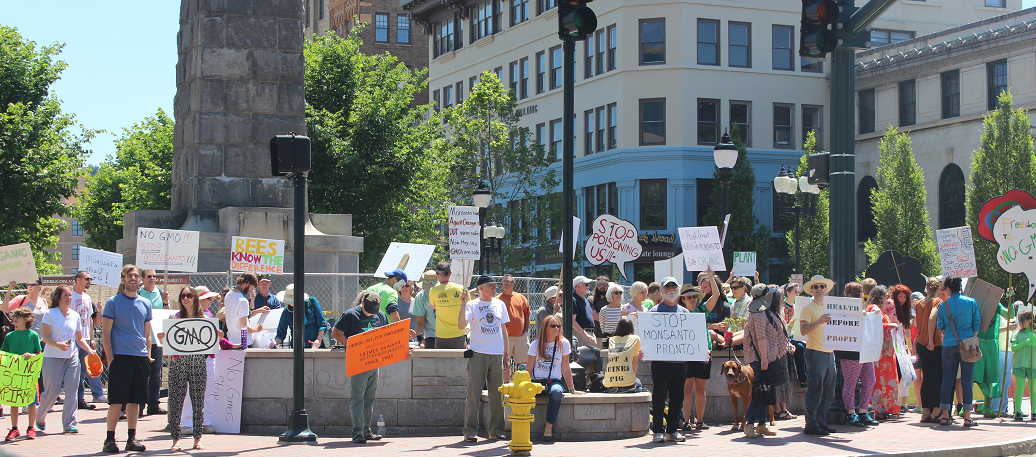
(575, 237)
(873, 337)
(409, 257)
(17, 264)
(256, 255)
(226, 391)
(987, 296)
(906, 366)
(18, 378)
(702, 248)
(669, 267)
(465, 233)
(463, 272)
(674, 337)
(378, 347)
(845, 331)
(744, 264)
(104, 267)
(614, 240)
(270, 322)
(190, 336)
(169, 250)
(957, 252)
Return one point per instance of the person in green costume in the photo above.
(1022, 345)
(987, 369)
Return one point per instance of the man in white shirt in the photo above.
(238, 307)
(89, 317)
(488, 343)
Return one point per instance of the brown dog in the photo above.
(739, 384)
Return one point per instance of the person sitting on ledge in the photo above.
(548, 357)
(620, 376)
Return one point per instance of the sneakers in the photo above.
(41, 425)
(101, 399)
(133, 445)
(84, 405)
(72, 430)
(866, 419)
(209, 430)
(762, 430)
(11, 435)
(371, 436)
(1018, 417)
(469, 439)
(659, 438)
(854, 420)
(359, 439)
(30, 433)
(675, 436)
(750, 432)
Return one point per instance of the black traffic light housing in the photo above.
(290, 154)
(575, 20)
(816, 35)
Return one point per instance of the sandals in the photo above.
(785, 415)
(929, 420)
(944, 422)
(969, 422)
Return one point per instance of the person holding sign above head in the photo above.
(548, 357)
(820, 363)
(669, 377)
(487, 364)
(389, 291)
(187, 372)
(447, 300)
(315, 324)
(62, 331)
(126, 332)
(25, 342)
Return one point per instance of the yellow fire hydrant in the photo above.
(521, 392)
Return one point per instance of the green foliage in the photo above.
(139, 176)
(899, 205)
(40, 159)
(1004, 161)
(814, 241)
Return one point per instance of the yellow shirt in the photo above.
(448, 299)
(810, 314)
(622, 351)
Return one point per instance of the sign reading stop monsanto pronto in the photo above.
(256, 255)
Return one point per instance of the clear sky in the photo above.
(121, 58)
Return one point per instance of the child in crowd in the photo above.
(26, 343)
(1022, 345)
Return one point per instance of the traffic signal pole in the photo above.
(568, 192)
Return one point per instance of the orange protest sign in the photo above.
(377, 348)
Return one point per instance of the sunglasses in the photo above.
(737, 287)
(186, 295)
(88, 279)
(555, 326)
(819, 286)
(150, 276)
(669, 286)
(616, 293)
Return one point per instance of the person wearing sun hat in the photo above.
(820, 363)
(315, 324)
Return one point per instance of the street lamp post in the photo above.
(482, 197)
(725, 154)
(786, 186)
(494, 236)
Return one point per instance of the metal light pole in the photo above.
(725, 155)
(786, 186)
(482, 198)
(568, 192)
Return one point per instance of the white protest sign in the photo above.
(463, 271)
(613, 240)
(409, 257)
(169, 250)
(797, 279)
(465, 233)
(575, 236)
(723, 233)
(270, 321)
(702, 249)
(845, 331)
(191, 336)
(906, 366)
(669, 267)
(674, 337)
(17, 264)
(104, 267)
(873, 335)
(744, 264)
(1014, 232)
(157, 317)
(957, 252)
(226, 391)
(256, 255)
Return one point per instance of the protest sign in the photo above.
(723, 233)
(463, 272)
(613, 240)
(256, 255)
(906, 366)
(669, 267)
(465, 233)
(377, 348)
(17, 264)
(702, 249)
(987, 296)
(575, 236)
(957, 252)
(409, 257)
(104, 267)
(744, 264)
(18, 378)
(797, 279)
(845, 331)
(873, 337)
(190, 336)
(270, 321)
(157, 316)
(1015, 232)
(226, 391)
(169, 250)
(674, 337)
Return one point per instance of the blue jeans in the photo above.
(362, 389)
(820, 386)
(755, 413)
(950, 361)
(554, 396)
(95, 383)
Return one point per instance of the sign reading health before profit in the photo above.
(17, 264)
(169, 250)
(190, 336)
(256, 255)
(104, 267)
(957, 252)
(702, 248)
(845, 331)
(614, 240)
(465, 233)
(18, 377)
(377, 348)
(674, 337)
(1015, 233)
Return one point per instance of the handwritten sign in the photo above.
(104, 267)
(377, 348)
(702, 248)
(1015, 232)
(957, 252)
(270, 321)
(226, 391)
(744, 264)
(845, 331)
(191, 336)
(465, 233)
(18, 378)
(409, 257)
(674, 337)
(172, 250)
(256, 255)
(614, 240)
(17, 264)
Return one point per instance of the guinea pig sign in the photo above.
(613, 240)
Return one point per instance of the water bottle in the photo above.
(381, 425)
(244, 337)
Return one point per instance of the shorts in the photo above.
(127, 379)
(1023, 372)
(699, 370)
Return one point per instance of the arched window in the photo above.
(865, 228)
(951, 197)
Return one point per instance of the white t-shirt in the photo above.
(84, 305)
(543, 364)
(62, 329)
(487, 319)
(237, 307)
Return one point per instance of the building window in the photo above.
(865, 228)
(613, 125)
(499, 72)
(652, 41)
(997, 77)
(811, 122)
(588, 140)
(741, 121)
(541, 71)
(381, 27)
(601, 127)
(523, 68)
(653, 204)
(708, 42)
(519, 11)
(739, 35)
(866, 107)
(811, 66)
(598, 200)
(782, 47)
(704, 198)
(951, 197)
(881, 37)
(444, 36)
(996, 3)
(907, 103)
(321, 9)
(950, 93)
(708, 121)
(545, 5)
(402, 29)
(309, 13)
(600, 51)
(782, 126)
(447, 96)
(460, 92)
(485, 19)
(541, 136)
(435, 100)
(588, 61)
(612, 44)
(75, 251)
(555, 138)
(652, 121)
(555, 67)
(513, 70)
(77, 228)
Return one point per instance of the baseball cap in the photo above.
(264, 277)
(581, 280)
(670, 279)
(484, 279)
(370, 298)
(397, 273)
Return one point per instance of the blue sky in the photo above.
(121, 58)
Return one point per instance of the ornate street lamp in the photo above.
(482, 198)
(494, 235)
(725, 154)
(786, 186)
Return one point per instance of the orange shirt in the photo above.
(924, 310)
(517, 310)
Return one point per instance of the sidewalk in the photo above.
(904, 437)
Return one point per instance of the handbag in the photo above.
(969, 350)
(764, 391)
(546, 382)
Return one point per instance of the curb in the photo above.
(1022, 446)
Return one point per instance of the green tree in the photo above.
(40, 158)
(138, 176)
(1004, 161)
(814, 238)
(899, 205)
